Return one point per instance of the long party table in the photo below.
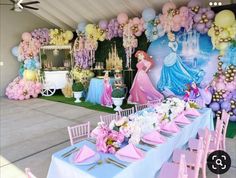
(148, 167)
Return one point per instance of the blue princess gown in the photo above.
(175, 75)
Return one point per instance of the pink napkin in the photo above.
(130, 151)
(191, 112)
(155, 137)
(182, 119)
(170, 127)
(83, 154)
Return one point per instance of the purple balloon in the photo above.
(215, 106)
(103, 24)
(232, 118)
(210, 14)
(200, 27)
(234, 111)
(197, 18)
(209, 23)
(205, 30)
(225, 105)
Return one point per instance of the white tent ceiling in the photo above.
(67, 13)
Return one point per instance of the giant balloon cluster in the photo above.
(223, 30)
(21, 89)
(60, 37)
(224, 92)
(202, 17)
(27, 84)
(172, 18)
(152, 24)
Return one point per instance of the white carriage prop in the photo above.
(54, 77)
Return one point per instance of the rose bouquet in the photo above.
(107, 140)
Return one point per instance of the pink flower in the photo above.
(111, 150)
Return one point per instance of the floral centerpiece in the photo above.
(107, 140)
(170, 108)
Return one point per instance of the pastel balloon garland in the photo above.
(223, 30)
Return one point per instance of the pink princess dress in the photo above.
(142, 89)
(106, 96)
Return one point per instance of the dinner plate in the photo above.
(88, 161)
(127, 159)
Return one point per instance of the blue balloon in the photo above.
(148, 14)
(21, 70)
(15, 51)
(81, 27)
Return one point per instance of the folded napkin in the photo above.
(191, 112)
(130, 151)
(170, 127)
(182, 119)
(84, 153)
(155, 137)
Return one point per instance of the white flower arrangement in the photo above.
(171, 108)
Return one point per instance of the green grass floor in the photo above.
(58, 97)
(231, 130)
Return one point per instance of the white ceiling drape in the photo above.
(68, 13)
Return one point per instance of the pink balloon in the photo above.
(176, 28)
(197, 18)
(167, 6)
(177, 19)
(210, 14)
(230, 86)
(184, 11)
(26, 36)
(139, 33)
(122, 18)
(220, 86)
(136, 20)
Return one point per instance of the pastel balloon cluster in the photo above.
(136, 26)
(28, 48)
(224, 94)
(42, 35)
(203, 20)
(223, 30)
(153, 29)
(60, 37)
(172, 19)
(114, 29)
(93, 32)
(20, 89)
(194, 6)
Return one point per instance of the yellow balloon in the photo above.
(69, 35)
(224, 34)
(30, 75)
(89, 28)
(211, 32)
(225, 18)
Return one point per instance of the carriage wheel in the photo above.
(49, 88)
